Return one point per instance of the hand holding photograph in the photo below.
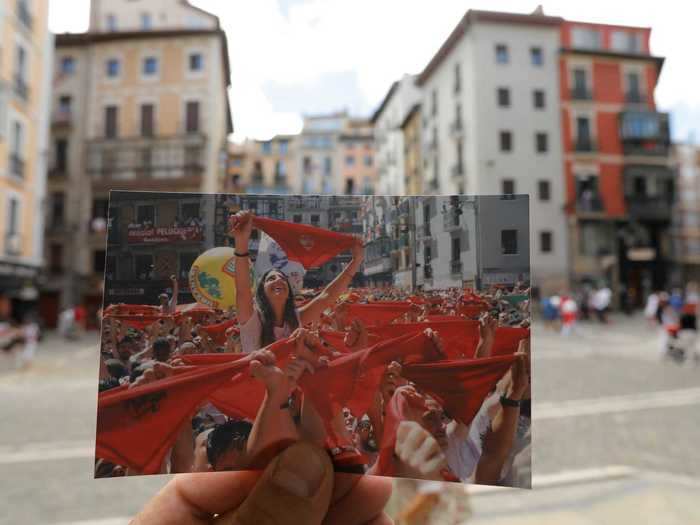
(393, 332)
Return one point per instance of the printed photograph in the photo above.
(392, 331)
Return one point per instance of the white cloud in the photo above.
(380, 40)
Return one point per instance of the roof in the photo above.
(659, 61)
(95, 37)
(204, 12)
(472, 16)
(384, 103)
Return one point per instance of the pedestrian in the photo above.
(601, 303)
(30, 336)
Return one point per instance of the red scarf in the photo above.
(218, 331)
(137, 426)
(306, 244)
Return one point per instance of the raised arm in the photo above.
(176, 290)
(311, 312)
(241, 226)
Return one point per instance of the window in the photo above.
(67, 65)
(150, 66)
(64, 104)
(583, 133)
(543, 190)
(111, 22)
(509, 242)
(20, 64)
(189, 211)
(297, 218)
(192, 117)
(146, 213)
(426, 220)
(266, 147)
(61, 165)
(640, 186)
(13, 216)
(536, 57)
(434, 100)
(546, 241)
(506, 141)
(349, 160)
(587, 38)
(580, 84)
(98, 261)
(315, 219)
(508, 186)
(634, 92)
(284, 147)
(501, 54)
(456, 249)
(368, 160)
(55, 258)
(143, 267)
(146, 21)
(626, 41)
(186, 262)
(541, 142)
(458, 79)
(196, 62)
(57, 208)
(307, 165)
(147, 120)
(111, 124)
(349, 187)
(538, 98)
(112, 68)
(503, 97)
(327, 165)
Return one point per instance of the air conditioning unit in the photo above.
(13, 244)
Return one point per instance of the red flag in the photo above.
(379, 313)
(218, 331)
(137, 426)
(459, 385)
(306, 244)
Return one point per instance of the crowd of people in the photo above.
(426, 384)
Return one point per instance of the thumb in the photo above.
(295, 488)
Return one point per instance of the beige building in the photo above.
(686, 216)
(26, 49)
(139, 103)
(262, 166)
(413, 168)
(358, 170)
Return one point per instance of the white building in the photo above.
(492, 123)
(387, 120)
(319, 153)
(446, 248)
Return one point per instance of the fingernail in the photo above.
(299, 470)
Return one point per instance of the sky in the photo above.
(295, 57)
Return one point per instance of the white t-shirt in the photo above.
(463, 454)
(251, 333)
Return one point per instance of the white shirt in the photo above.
(251, 333)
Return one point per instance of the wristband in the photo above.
(507, 402)
(246, 254)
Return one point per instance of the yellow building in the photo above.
(358, 172)
(139, 103)
(26, 49)
(411, 128)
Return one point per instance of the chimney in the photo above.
(539, 11)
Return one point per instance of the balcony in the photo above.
(456, 267)
(450, 220)
(649, 208)
(428, 271)
(62, 118)
(457, 170)
(645, 133)
(21, 88)
(24, 15)
(589, 204)
(581, 93)
(16, 165)
(145, 162)
(584, 145)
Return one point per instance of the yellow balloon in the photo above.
(212, 278)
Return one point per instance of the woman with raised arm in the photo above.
(270, 314)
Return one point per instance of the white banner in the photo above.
(271, 255)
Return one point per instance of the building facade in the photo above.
(387, 120)
(139, 103)
(686, 216)
(491, 123)
(412, 151)
(319, 153)
(358, 172)
(26, 54)
(619, 183)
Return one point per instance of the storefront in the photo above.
(18, 290)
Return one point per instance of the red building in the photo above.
(619, 182)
